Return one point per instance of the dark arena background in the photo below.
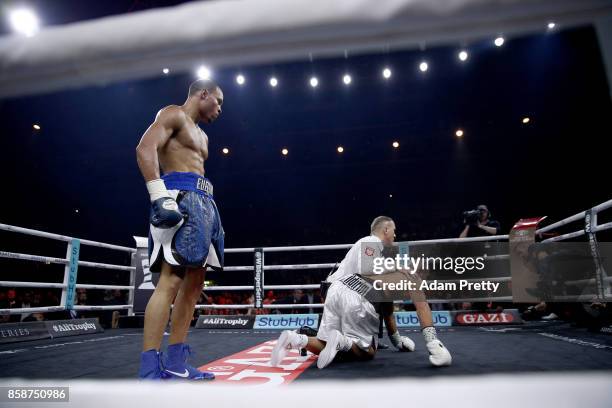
(333, 113)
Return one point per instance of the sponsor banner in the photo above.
(72, 269)
(606, 329)
(225, 322)
(286, 321)
(410, 319)
(252, 367)
(65, 328)
(258, 262)
(509, 316)
(24, 331)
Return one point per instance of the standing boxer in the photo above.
(186, 234)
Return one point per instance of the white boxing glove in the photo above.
(438, 354)
(402, 343)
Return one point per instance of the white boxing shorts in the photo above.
(351, 314)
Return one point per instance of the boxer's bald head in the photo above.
(201, 85)
(207, 97)
(379, 223)
(384, 228)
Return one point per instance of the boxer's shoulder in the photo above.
(369, 239)
(172, 115)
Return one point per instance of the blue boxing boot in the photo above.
(150, 365)
(176, 367)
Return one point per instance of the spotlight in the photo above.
(499, 41)
(340, 149)
(24, 21)
(551, 25)
(423, 66)
(240, 79)
(203, 72)
(346, 79)
(76, 210)
(396, 144)
(386, 73)
(166, 71)
(459, 133)
(284, 152)
(225, 150)
(463, 55)
(273, 82)
(526, 120)
(36, 126)
(390, 195)
(314, 82)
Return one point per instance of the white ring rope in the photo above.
(57, 237)
(44, 309)
(291, 248)
(576, 217)
(280, 267)
(35, 258)
(46, 259)
(564, 237)
(104, 307)
(18, 284)
(320, 305)
(266, 287)
(106, 266)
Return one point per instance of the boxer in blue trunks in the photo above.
(186, 235)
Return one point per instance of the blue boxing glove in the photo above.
(164, 209)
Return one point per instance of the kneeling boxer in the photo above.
(350, 322)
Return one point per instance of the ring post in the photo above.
(590, 226)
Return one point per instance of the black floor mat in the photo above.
(475, 350)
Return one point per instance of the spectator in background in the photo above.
(296, 297)
(26, 302)
(313, 298)
(204, 299)
(4, 305)
(80, 299)
(250, 301)
(270, 298)
(480, 227)
(34, 317)
(51, 299)
(11, 298)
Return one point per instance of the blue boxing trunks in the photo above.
(198, 241)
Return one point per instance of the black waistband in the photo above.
(357, 283)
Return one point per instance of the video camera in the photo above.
(471, 217)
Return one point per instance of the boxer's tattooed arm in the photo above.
(168, 121)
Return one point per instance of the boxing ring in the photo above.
(535, 347)
(520, 361)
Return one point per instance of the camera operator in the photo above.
(478, 224)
